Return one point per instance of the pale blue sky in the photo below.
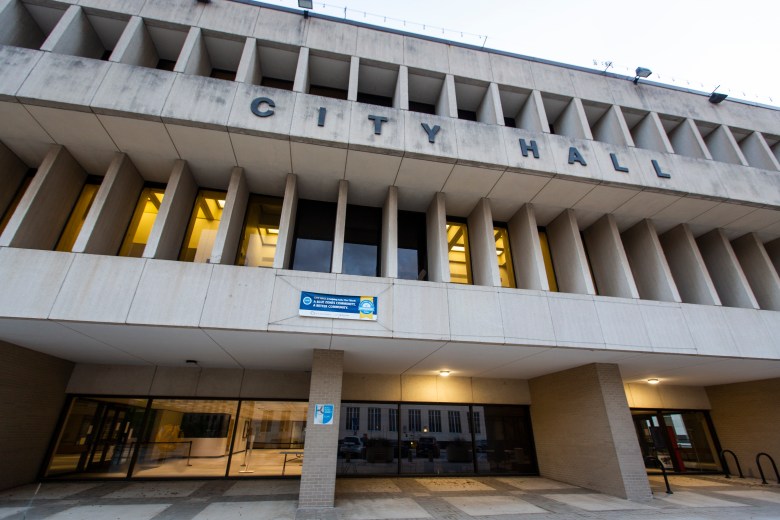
(690, 43)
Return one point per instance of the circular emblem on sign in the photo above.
(307, 300)
(366, 307)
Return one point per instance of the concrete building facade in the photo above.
(536, 244)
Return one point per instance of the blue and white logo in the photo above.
(307, 300)
(367, 307)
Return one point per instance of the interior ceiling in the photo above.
(168, 346)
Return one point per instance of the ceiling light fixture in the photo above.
(444, 373)
(653, 381)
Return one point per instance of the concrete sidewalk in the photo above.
(694, 498)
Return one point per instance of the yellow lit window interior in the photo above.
(204, 223)
(261, 231)
(143, 219)
(548, 265)
(77, 217)
(458, 249)
(15, 202)
(504, 257)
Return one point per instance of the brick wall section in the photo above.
(584, 434)
(32, 392)
(318, 477)
(747, 421)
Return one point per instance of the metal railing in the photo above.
(760, 470)
(657, 462)
(726, 471)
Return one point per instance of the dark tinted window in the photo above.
(362, 239)
(412, 248)
(315, 223)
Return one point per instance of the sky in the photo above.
(689, 43)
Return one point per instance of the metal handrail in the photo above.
(660, 465)
(760, 470)
(726, 464)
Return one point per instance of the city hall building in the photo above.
(241, 242)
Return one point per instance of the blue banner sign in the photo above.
(338, 306)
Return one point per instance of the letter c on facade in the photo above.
(259, 101)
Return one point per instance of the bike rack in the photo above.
(659, 464)
(726, 465)
(760, 470)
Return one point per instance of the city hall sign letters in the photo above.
(264, 107)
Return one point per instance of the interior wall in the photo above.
(32, 394)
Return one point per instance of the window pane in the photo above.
(458, 248)
(548, 264)
(431, 448)
(412, 247)
(15, 201)
(141, 225)
(261, 231)
(315, 225)
(371, 447)
(77, 217)
(186, 438)
(504, 257)
(98, 438)
(269, 440)
(507, 444)
(202, 230)
(362, 241)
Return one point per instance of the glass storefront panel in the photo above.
(98, 438)
(77, 217)
(507, 445)
(203, 226)
(141, 224)
(436, 439)
(458, 252)
(368, 439)
(269, 439)
(261, 231)
(186, 438)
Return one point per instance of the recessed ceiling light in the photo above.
(444, 373)
(653, 381)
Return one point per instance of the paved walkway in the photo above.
(533, 498)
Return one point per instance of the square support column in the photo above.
(318, 476)
(337, 264)
(482, 243)
(284, 242)
(390, 234)
(436, 231)
(232, 222)
(584, 434)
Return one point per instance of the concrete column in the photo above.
(482, 246)
(532, 116)
(74, 35)
(301, 83)
(354, 76)
(46, 205)
(194, 57)
(687, 265)
(608, 259)
(584, 434)
(759, 271)
(746, 416)
(651, 271)
(527, 258)
(104, 228)
(135, 46)
(568, 255)
(758, 153)
(284, 241)
(17, 26)
(232, 223)
(249, 70)
(447, 105)
(490, 110)
(724, 268)
(724, 147)
(13, 172)
(318, 476)
(773, 250)
(436, 231)
(649, 134)
(390, 234)
(573, 122)
(612, 128)
(686, 140)
(169, 227)
(341, 221)
(401, 94)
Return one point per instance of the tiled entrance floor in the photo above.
(488, 498)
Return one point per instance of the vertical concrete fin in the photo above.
(758, 153)
(759, 271)
(17, 27)
(45, 207)
(651, 271)
(390, 234)
(194, 57)
(401, 93)
(612, 128)
(724, 147)
(686, 140)
(436, 231)
(527, 258)
(169, 227)
(14, 171)
(249, 68)
(112, 209)
(354, 77)
(341, 221)
(730, 282)
(608, 259)
(447, 105)
(688, 268)
(284, 243)
(649, 134)
(301, 83)
(532, 116)
(232, 222)
(490, 110)
(135, 46)
(482, 244)
(74, 35)
(568, 255)
(572, 122)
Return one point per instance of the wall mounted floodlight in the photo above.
(641, 72)
(306, 4)
(717, 97)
